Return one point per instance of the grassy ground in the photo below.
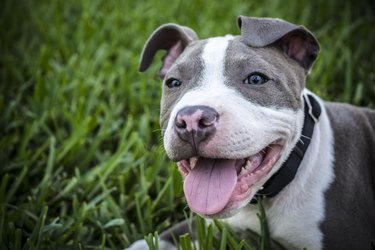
(81, 163)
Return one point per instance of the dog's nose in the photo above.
(194, 124)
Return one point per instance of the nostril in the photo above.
(208, 119)
(204, 123)
(181, 123)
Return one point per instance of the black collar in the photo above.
(288, 170)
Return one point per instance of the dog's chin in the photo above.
(208, 190)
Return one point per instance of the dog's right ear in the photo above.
(297, 42)
(170, 37)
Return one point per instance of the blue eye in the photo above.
(256, 79)
(173, 83)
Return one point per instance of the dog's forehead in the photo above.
(189, 64)
(225, 62)
(201, 64)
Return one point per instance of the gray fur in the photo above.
(188, 69)
(260, 32)
(296, 41)
(350, 201)
(281, 91)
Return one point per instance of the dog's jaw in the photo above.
(250, 174)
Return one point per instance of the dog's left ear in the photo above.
(296, 41)
(170, 37)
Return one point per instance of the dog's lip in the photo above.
(249, 174)
(247, 178)
(186, 165)
(265, 155)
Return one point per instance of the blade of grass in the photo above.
(265, 242)
(37, 233)
(185, 242)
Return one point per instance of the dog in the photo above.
(239, 122)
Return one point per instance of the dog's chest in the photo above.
(288, 229)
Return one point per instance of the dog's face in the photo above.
(231, 109)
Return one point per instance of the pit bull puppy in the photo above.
(240, 124)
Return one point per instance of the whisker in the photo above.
(305, 137)
(158, 130)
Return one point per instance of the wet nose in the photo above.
(194, 124)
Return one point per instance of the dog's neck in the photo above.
(289, 169)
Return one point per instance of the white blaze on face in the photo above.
(211, 86)
(214, 58)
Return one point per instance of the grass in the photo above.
(81, 163)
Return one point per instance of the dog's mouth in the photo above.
(212, 186)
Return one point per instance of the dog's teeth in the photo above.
(248, 164)
(193, 162)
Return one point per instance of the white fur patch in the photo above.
(142, 245)
(213, 58)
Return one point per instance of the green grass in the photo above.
(81, 163)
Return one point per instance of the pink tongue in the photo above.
(209, 186)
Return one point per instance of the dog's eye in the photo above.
(256, 78)
(173, 83)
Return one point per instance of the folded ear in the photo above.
(296, 41)
(170, 37)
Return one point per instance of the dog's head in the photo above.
(231, 108)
